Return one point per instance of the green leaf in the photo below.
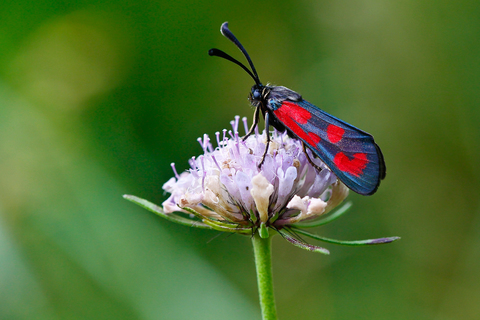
(170, 217)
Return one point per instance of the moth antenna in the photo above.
(229, 35)
(221, 54)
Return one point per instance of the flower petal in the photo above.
(298, 204)
(169, 185)
(243, 183)
(316, 207)
(261, 192)
(285, 182)
(309, 208)
(339, 193)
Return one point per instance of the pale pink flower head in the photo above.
(226, 184)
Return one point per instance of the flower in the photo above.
(227, 189)
(226, 183)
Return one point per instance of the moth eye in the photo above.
(257, 94)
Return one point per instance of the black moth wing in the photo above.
(349, 152)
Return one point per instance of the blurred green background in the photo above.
(97, 98)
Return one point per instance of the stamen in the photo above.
(235, 154)
(217, 134)
(200, 141)
(236, 137)
(194, 169)
(174, 170)
(206, 143)
(215, 160)
(245, 124)
(237, 144)
(237, 121)
(202, 160)
(192, 163)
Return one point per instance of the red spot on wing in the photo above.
(314, 137)
(291, 115)
(354, 166)
(295, 112)
(335, 133)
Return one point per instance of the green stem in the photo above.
(263, 263)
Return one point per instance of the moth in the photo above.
(350, 153)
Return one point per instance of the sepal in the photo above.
(302, 244)
(170, 217)
(263, 231)
(366, 242)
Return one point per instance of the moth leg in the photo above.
(308, 158)
(255, 123)
(267, 131)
